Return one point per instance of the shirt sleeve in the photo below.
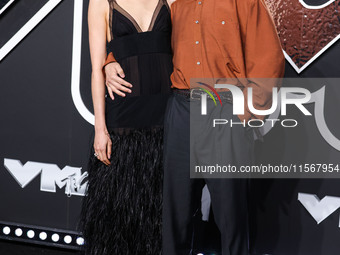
(110, 58)
(263, 58)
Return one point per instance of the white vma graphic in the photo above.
(76, 48)
(318, 99)
(28, 27)
(76, 60)
(316, 6)
(6, 6)
(319, 209)
(51, 176)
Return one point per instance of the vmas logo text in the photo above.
(51, 176)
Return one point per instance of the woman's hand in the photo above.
(102, 146)
(114, 80)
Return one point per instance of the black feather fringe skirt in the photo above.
(122, 209)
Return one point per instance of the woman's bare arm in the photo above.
(97, 14)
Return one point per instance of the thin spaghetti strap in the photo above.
(111, 4)
(155, 14)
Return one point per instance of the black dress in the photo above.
(122, 210)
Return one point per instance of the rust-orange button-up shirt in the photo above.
(226, 39)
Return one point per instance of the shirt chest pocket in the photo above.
(225, 26)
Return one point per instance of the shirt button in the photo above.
(223, 22)
(197, 42)
(198, 63)
(196, 21)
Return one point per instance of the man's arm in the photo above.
(263, 57)
(114, 77)
(110, 59)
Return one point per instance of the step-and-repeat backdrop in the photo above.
(46, 127)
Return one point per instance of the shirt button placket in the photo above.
(197, 38)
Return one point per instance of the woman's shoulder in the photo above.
(99, 4)
(171, 2)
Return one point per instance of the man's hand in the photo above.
(115, 80)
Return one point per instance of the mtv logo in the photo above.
(319, 209)
(51, 176)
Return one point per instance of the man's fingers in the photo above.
(111, 85)
(114, 84)
(120, 71)
(118, 92)
(121, 81)
(120, 87)
(125, 83)
(117, 88)
(110, 92)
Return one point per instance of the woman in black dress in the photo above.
(121, 212)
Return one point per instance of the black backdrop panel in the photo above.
(39, 120)
(281, 225)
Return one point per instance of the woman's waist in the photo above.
(149, 74)
(140, 96)
(140, 44)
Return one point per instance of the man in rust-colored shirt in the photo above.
(226, 39)
(214, 39)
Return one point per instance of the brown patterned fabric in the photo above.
(304, 32)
